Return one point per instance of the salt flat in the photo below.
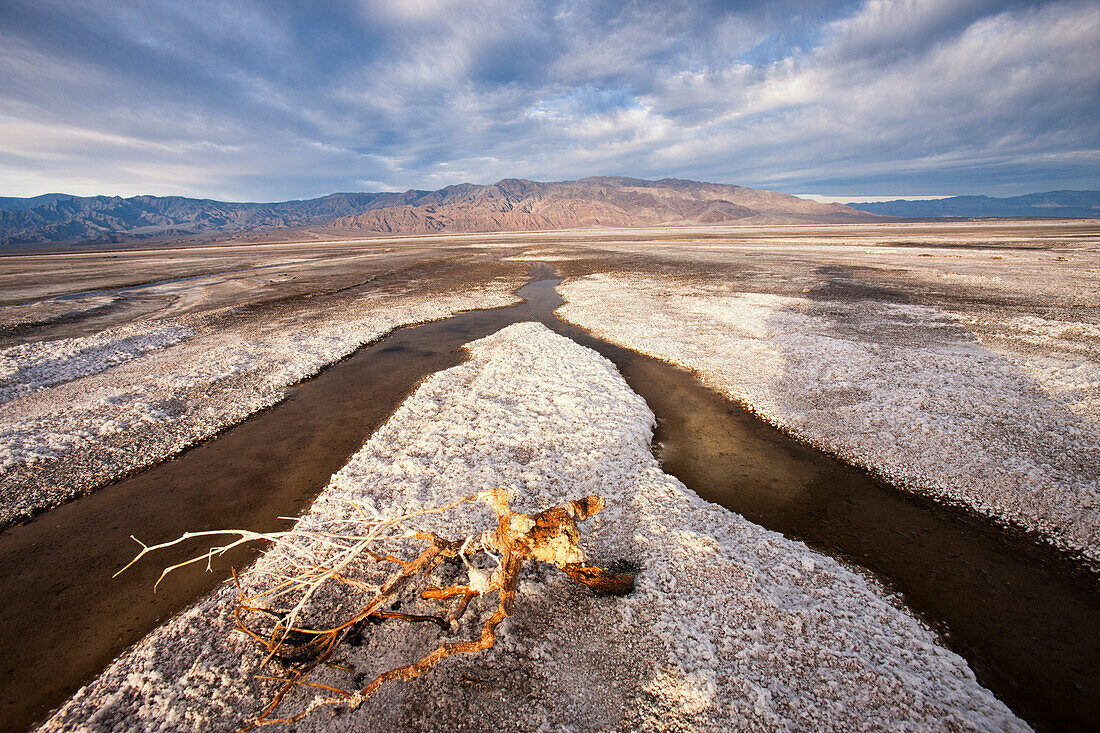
(180, 359)
(731, 626)
(955, 361)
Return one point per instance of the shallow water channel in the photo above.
(1021, 614)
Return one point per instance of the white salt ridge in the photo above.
(910, 392)
(83, 411)
(52, 309)
(731, 627)
(31, 367)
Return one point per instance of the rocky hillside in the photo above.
(509, 205)
(519, 205)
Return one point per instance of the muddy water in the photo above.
(1023, 616)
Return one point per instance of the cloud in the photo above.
(276, 99)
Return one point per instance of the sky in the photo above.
(271, 100)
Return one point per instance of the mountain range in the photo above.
(1059, 204)
(63, 218)
(508, 205)
(520, 205)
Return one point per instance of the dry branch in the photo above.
(321, 557)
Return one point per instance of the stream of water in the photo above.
(1021, 614)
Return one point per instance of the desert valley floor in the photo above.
(857, 469)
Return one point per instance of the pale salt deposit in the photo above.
(53, 309)
(731, 627)
(32, 367)
(77, 412)
(999, 414)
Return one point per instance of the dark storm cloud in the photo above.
(271, 100)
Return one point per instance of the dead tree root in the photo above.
(300, 648)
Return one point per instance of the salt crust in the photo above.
(78, 412)
(52, 309)
(732, 627)
(1002, 416)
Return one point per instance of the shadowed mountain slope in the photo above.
(10, 203)
(1060, 204)
(113, 219)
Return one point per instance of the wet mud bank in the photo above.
(1021, 615)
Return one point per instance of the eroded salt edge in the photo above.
(1009, 429)
(83, 411)
(731, 626)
